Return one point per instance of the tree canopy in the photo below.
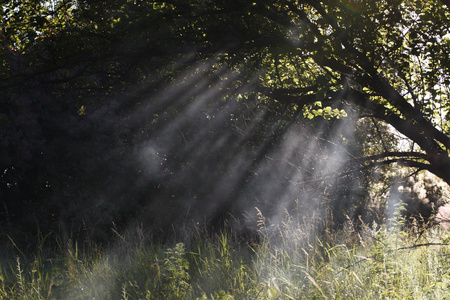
(68, 64)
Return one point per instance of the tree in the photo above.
(389, 58)
(90, 61)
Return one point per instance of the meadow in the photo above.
(299, 258)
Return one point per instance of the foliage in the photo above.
(90, 87)
(116, 112)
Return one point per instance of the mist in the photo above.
(208, 153)
(206, 150)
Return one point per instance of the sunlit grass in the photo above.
(300, 258)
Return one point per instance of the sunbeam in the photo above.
(199, 149)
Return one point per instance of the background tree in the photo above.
(89, 86)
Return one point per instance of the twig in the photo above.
(422, 245)
(402, 248)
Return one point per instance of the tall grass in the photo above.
(300, 258)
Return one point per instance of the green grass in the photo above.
(290, 261)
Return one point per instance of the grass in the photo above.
(297, 259)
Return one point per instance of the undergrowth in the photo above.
(300, 258)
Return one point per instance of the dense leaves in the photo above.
(88, 87)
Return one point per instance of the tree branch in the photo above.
(412, 154)
(410, 128)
